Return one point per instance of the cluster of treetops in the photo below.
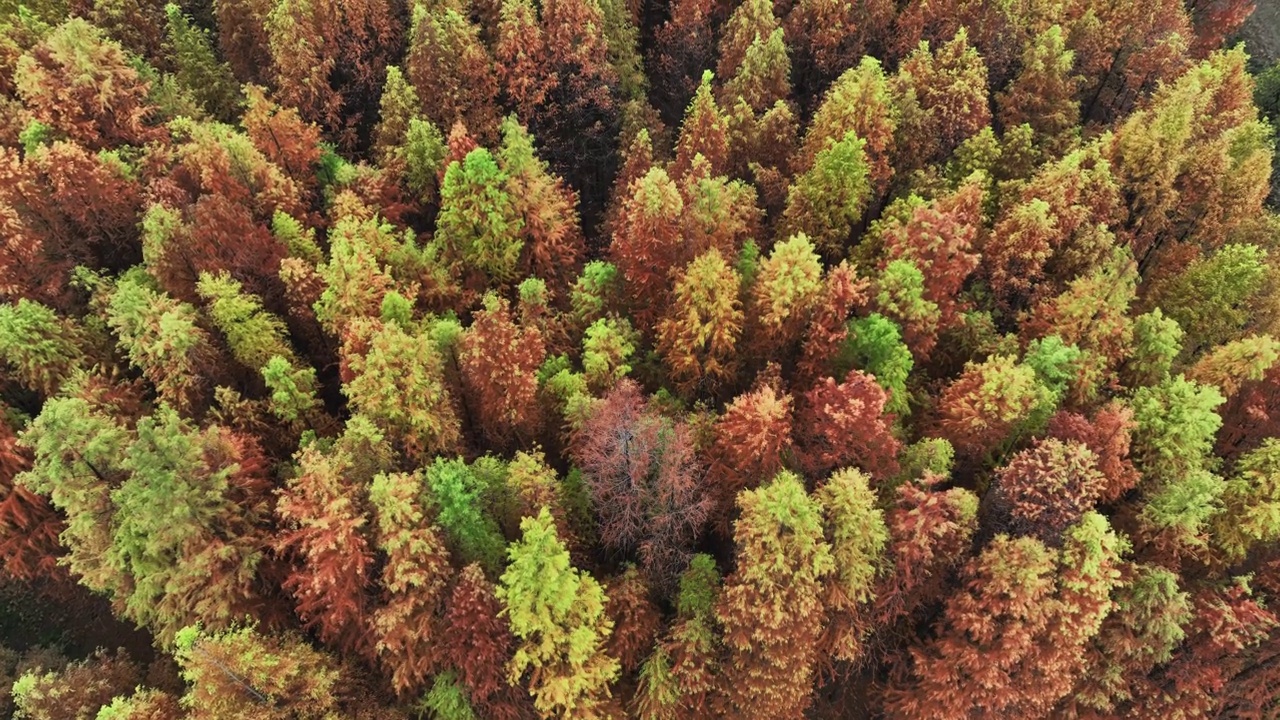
(591, 359)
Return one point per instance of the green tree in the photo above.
(42, 348)
(198, 69)
(828, 200)
(479, 223)
(253, 334)
(557, 613)
(459, 496)
(856, 530)
(769, 604)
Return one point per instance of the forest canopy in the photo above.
(516, 359)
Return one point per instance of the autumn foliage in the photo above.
(528, 359)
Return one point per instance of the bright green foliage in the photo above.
(857, 533)
(1157, 340)
(557, 614)
(787, 287)
(398, 106)
(1251, 503)
(424, 154)
(593, 292)
(254, 335)
(367, 260)
(827, 201)
(42, 349)
(181, 531)
(240, 674)
(900, 296)
(699, 334)
(928, 456)
(606, 347)
(300, 240)
(399, 384)
(293, 390)
(198, 69)
(1055, 363)
(446, 700)
(458, 497)
(1211, 299)
(699, 587)
(478, 221)
(78, 455)
(397, 309)
(622, 36)
(768, 605)
(1176, 424)
(145, 704)
(161, 337)
(34, 136)
(874, 344)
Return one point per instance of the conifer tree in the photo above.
(753, 440)
(635, 619)
(499, 362)
(643, 477)
(326, 526)
(41, 348)
(554, 245)
(163, 339)
(989, 403)
(198, 68)
(398, 383)
(828, 200)
(478, 645)
(858, 535)
(647, 241)
(679, 676)
(240, 674)
(1043, 93)
(829, 328)
(699, 332)
(557, 614)
(843, 424)
(942, 98)
(769, 604)
(452, 70)
(1015, 620)
(253, 334)
(414, 581)
(704, 132)
(859, 101)
(81, 83)
(78, 454)
(1250, 502)
(787, 287)
(479, 221)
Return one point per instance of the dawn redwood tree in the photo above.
(635, 619)
(705, 132)
(843, 424)
(989, 404)
(644, 480)
(29, 525)
(242, 673)
(1012, 640)
(827, 201)
(398, 384)
(326, 526)
(189, 525)
(414, 581)
(1050, 486)
(452, 70)
(787, 287)
(941, 239)
(81, 83)
(698, 335)
(679, 677)
(646, 242)
(557, 614)
(859, 101)
(829, 326)
(477, 643)
(752, 442)
(499, 361)
(942, 97)
(553, 243)
(856, 530)
(1044, 92)
(770, 605)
